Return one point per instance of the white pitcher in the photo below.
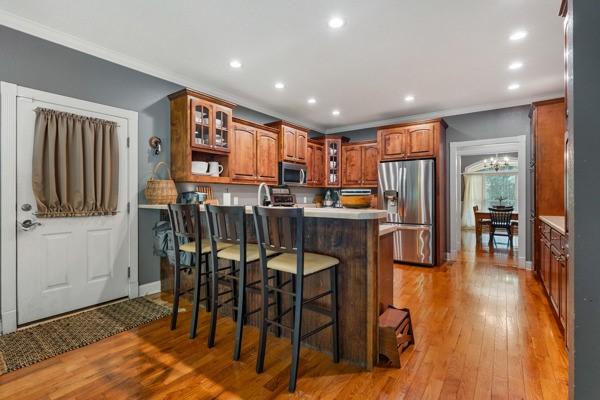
(214, 168)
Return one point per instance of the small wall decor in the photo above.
(156, 144)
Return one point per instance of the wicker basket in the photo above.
(160, 191)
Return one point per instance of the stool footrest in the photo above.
(271, 322)
(316, 330)
(317, 297)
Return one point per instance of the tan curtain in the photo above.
(75, 165)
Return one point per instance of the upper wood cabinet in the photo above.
(201, 130)
(352, 165)
(244, 155)
(254, 152)
(332, 147)
(370, 164)
(293, 141)
(359, 164)
(315, 163)
(267, 149)
(209, 121)
(421, 141)
(301, 144)
(414, 140)
(393, 143)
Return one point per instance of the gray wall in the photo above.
(513, 121)
(583, 182)
(35, 63)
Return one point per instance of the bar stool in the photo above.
(227, 224)
(185, 224)
(275, 232)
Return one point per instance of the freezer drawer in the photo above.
(413, 244)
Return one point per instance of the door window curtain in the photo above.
(473, 196)
(75, 165)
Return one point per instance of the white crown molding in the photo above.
(444, 113)
(52, 35)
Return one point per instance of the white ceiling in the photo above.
(453, 56)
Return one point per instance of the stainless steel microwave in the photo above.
(292, 174)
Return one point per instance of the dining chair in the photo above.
(501, 219)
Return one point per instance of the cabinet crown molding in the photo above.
(203, 96)
(255, 125)
(279, 123)
(411, 123)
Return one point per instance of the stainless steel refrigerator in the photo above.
(407, 192)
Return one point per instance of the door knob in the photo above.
(28, 225)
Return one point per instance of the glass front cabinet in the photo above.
(333, 160)
(210, 123)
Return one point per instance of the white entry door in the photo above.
(65, 264)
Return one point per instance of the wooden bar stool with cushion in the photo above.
(185, 225)
(282, 230)
(227, 225)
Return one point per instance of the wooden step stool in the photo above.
(395, 334)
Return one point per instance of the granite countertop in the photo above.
(311, 212)
(556, 222)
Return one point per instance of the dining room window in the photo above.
(486, 186)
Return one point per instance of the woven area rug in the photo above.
(48, 339)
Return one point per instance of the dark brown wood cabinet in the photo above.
(392, 143)
(201, 130)
(267, 149)
(293, 141)
(420, 141)
(547, 169)
(370, 161)
(244, 167)
(315, 163)
(359, 164)
(553, 271)
(408, 141)
(254, 153)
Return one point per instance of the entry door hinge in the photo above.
(127, 141)
(129, 272)
(128, 207)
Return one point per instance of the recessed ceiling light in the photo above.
(410, 97)
(513, 86)
(336, 22)
(311, 100)
(235, 64)
(515, 65)
(335, 113)
(279, 85)
(518, 35)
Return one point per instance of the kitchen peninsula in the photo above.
(350, 235)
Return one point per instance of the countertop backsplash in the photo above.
(247, 194)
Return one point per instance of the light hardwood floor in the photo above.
(483, 330)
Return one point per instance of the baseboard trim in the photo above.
(9, 322)
(529, 265)
(451, 255)
(149, 288)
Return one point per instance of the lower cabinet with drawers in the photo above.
(553, 270)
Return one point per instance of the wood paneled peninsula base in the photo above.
(352, 236)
